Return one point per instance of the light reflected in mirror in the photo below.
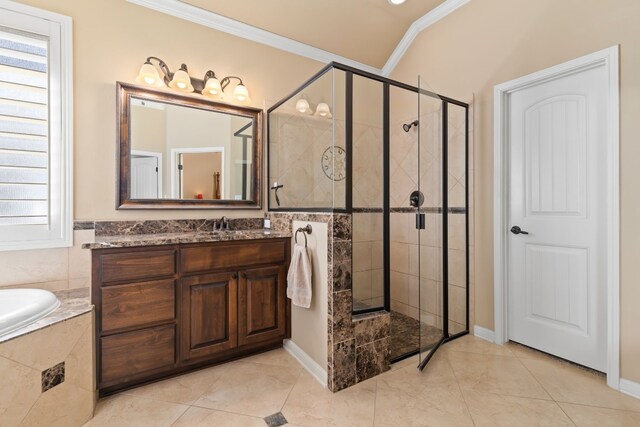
(187, 153)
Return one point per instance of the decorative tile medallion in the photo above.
(275, 420)
(52, 377)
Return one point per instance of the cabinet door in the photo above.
(209, 314)
(261, 305)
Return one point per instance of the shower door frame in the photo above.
(386, 210)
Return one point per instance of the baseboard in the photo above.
(484, 333)
(629, 387)
(307, 362)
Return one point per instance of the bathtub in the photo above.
(21, 307)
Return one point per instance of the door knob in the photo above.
(517, 230)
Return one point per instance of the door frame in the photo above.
(609, 59)
(158, 156)
(175, 152)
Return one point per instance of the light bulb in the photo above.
(241, 93)
(181, 81)
(323, 110)
(303, 106)
(212, 87)
(396, 1)
(148, 75)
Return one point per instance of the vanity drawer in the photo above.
(137, 265)
(195, 259)
(139, 304)
(137, 354)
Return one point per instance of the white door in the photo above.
(557, 193)
(144, 177)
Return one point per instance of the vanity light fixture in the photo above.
(395, 2)
(240, 92)
(181, 81)
(148, 75)
(323, 110)
(211, 84)
(302, 106)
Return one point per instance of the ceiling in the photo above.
(366, 31)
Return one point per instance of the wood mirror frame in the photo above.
(125, 92)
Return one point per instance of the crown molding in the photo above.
(209, 19)
(419, 25)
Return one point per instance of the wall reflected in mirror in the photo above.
(186, 153)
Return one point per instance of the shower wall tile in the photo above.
(372, 359)
(400, 257)
(372, 327)
(377, 255)
(362, 254)
(344, 365)
(342, 227)
(342, 326)
(343, 279)
(457, 267)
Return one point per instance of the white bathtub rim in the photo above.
(34, 317)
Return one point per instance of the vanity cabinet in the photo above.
(209, 314)
(261, 304)
(164, 310)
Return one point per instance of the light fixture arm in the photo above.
(209, 75)
(225, 82)
(168, 75)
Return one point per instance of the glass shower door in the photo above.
(429, 203)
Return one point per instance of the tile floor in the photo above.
(468, 382)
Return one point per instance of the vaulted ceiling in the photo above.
(366, 31)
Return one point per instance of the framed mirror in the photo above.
(180, 151)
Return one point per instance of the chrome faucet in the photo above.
(221, 224)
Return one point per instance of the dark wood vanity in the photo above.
(164, 310)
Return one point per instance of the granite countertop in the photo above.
(132, 240)
(73, 303)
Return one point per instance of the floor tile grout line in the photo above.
(460, 389)
(519, 397)
(290, 391)
(226, 411)
(375, 400)
(536, 379)
(181, 415)
(565, 412)
(598, 407)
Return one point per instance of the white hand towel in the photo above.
(299, 277)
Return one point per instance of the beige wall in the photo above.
(489, 42)
(309, 325)
(111, 39)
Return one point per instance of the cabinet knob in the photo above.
(234, 276)
(243, 275)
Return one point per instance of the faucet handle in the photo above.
(224, 223)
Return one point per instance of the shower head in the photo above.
(407, 126)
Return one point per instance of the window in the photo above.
(35, 128)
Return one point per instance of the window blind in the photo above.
(24, 129)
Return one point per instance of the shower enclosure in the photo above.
(394, 157)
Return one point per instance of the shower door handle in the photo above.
(420, 221)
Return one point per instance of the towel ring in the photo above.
(305, 230)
